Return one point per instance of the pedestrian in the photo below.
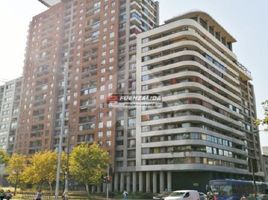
(210, 196)
(8, 195)
(125, 195)
(65, 195)
(243, 197)
(38, 195)
(2, 194)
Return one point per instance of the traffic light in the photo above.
(109, 179)
(104, 179)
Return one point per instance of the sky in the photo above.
(246, 20)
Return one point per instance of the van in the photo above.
(183, 195)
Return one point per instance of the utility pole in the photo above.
(61, 132)
(66, 69)
(107, 182)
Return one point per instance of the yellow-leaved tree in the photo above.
(88, 163)
(3, 157)
(41, 169)
(15, 168)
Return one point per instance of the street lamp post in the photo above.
(66, 69)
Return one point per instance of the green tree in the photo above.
(265, 107)
(263, 121)
(15, 168)
(88, 163)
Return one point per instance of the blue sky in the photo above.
(246, 20)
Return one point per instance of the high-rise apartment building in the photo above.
(9, 110)
(265, 150)
(82, 37)
(96, 42)
(265, 166)
(49, 3)
(136, 16)
(204, 128)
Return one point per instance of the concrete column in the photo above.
(148, 184)
(122, 182)
(161, 182)
(116, 182)
(128, 182)
(134, 182)
(154, 182)
(104, 187)
(140, 182)
(98, 188)
(110, 186)
(93, 188)
(169, 181)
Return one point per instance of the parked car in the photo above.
(161, 196)
(183, 195)
(202, 196)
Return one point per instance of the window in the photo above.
(145, 49)
(145, 77)
(100, 135)
(97, 5)
(112, 35)
(109, 124)
(108, 143)
(187, 194)
(108, 133)
(145, 128)
(95, 35)
(144, 87)
(145, 40)
(209, 149)
(131, 122)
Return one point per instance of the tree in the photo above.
(88, 164)
(263, 121)
(42, 169)
(15, 168)
(265, 107)
(3, 157)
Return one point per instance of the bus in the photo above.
(234, 189)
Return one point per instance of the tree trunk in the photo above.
(87, 189)
(50, 188)
(16, 184)
(15, 189)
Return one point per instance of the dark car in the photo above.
(161, 196)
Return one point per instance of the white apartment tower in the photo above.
(10, 94)
(204, 128)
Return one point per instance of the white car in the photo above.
(183, 195)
